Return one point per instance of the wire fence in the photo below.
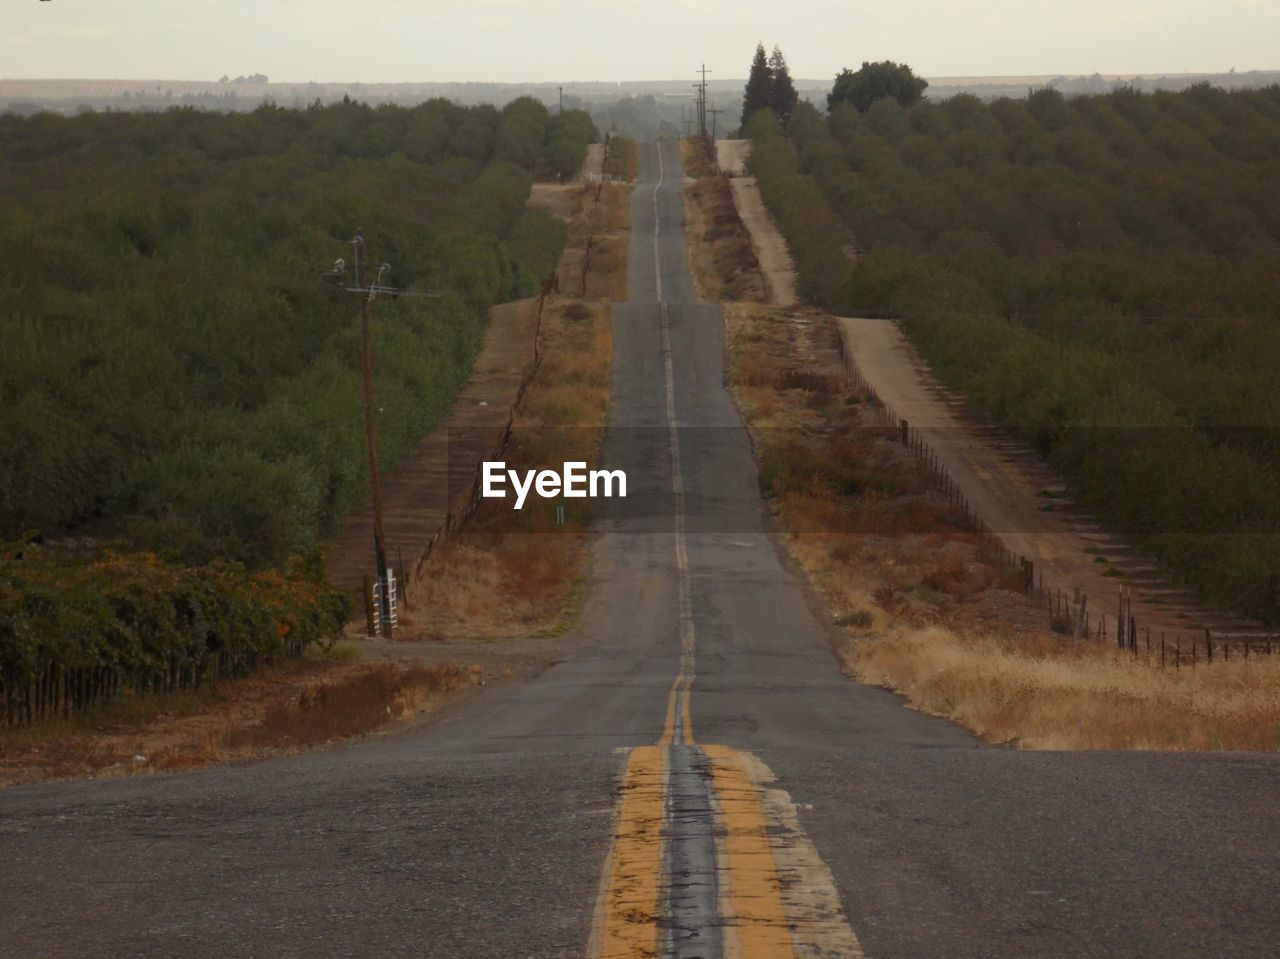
(1069, 610)
(454, 521)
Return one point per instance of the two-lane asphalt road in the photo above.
(696, 779)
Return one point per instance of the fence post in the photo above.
(370, 624)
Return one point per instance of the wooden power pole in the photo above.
(702, 102)
(386, 588)
(371, 439)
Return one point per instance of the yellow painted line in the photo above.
(681, 689)
(751, 906)
(632, 901)
(657, 257)
(685, 714)
(669, 723)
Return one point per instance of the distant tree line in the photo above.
(1098, 273)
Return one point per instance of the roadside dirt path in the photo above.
(769, 246)
(731, 156)
(438, 478)
(1018, 497)
(593, 166)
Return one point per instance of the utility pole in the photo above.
(371, 435)
(715, 114)
(561, 100)
(702, 102)
(367, 291)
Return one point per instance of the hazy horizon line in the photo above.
(1007, 77)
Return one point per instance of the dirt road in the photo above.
(767, 243)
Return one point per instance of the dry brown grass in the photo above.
(509, 573)
(1038, 693)
(699, 156)
(514, 573)
(925, 614)
(361, 703)
(604, 225)
(624, 159)
(721, 258)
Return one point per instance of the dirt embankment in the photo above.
(769, 246)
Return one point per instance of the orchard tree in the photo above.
(759, 91)
(875, 81)
(784, 97)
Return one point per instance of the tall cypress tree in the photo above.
(759, 91)
(785, 97)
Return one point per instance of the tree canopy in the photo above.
(875, 81)
(759, 91)
(769, 86)
(783, 95)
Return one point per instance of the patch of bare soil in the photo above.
(558, 199)
(731, 156)
(280, 709)
(769, 246)
(593, 166)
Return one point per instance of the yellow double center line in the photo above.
(755, 921)
(678, 725)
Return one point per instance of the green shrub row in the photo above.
(74, 632)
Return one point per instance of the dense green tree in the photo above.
(783, 98)
(759, 90)
(875, 81)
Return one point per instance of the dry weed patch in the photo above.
(1041, 693)
(361, 703)
(516, 572)
(281, 708)
(722, 261)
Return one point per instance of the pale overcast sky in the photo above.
(518, 40)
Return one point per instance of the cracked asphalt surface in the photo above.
(484, 831)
